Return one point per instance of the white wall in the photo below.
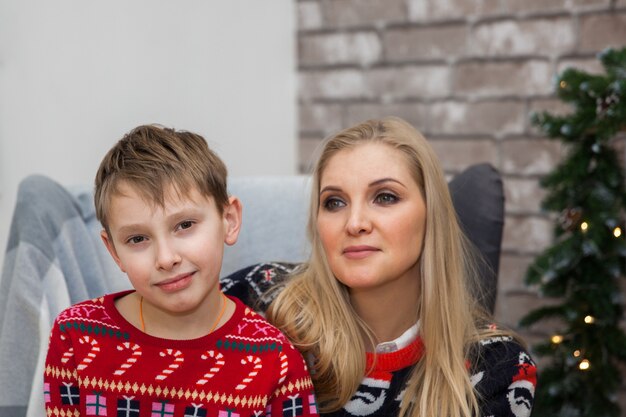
(76, 75)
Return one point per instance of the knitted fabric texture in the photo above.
(504, 376)
(501, 370)
(100, 365)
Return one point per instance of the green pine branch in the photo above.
(580, 272)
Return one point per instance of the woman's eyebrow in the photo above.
(330, 188)
(371, 184)
(385, 180)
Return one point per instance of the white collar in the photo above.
(401, 342)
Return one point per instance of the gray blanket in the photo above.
(50, 252)
(55, 258)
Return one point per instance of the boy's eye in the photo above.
(333, 203)
(136, 240)
(386, 198)
(186, 224)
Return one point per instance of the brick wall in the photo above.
(467, 73)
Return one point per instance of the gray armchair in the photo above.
(55, 258)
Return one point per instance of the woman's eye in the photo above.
(386, 198)
(332, 204)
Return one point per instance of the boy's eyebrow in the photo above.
(183, 212)
(129, 228)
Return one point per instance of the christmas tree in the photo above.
(581, 271)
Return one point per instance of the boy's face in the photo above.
(172, 254)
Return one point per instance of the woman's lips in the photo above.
(359, 252)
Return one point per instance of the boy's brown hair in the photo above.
(151, 158)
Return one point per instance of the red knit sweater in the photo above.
(100, 365)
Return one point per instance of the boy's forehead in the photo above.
(170, 194)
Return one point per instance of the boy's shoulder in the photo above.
(251, 333)
(249, 324)
(94, 312)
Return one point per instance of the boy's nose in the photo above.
(167, 256)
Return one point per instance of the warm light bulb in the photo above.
(589, 319)
(576, 353)
(584, 365)
(617, 232)
(556, 339)
(563, 84)
(584, 226)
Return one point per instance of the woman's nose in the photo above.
(359, 221)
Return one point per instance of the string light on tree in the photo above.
(589, 319)
(556, 339)
(584, 226)
(584, 365)
(617, 232)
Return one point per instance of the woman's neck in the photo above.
(388, 310)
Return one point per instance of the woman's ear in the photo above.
(232, 220)
(108, 242)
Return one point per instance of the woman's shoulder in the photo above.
(256, 284)
(505, 375)
(501, 350)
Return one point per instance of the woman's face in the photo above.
(371, 219)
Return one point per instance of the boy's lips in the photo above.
(359, 251)
(178, 282)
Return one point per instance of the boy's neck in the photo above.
(164, 325)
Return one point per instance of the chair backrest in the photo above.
(478, 197)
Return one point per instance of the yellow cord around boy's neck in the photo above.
(219, 317)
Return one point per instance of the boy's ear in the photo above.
(108, 242)
(232, 220)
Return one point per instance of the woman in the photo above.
(383, 308)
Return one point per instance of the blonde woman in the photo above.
(383, 308)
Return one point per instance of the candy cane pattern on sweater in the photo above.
(284, 366)
(178, 360)
(67, 355)
(254, 372)
(219, 362)
(130, 361)
(95, 349)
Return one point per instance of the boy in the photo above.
(174, 346)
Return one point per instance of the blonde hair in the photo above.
(315, 313)
(151, 158)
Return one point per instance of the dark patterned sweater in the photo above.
(502, 372)
(98, 364)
